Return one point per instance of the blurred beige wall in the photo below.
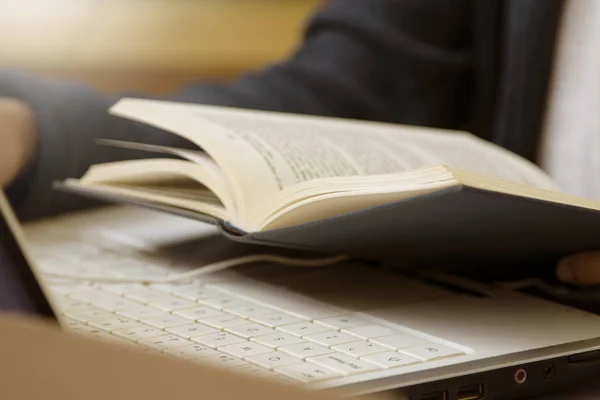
(150, 45)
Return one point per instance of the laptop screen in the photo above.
(19, 288)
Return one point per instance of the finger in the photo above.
(580, 269)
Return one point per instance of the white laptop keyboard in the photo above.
(224, 319)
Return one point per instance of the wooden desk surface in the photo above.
(120, 41)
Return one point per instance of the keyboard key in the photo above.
(113, 323)
(343, 363)
(399, 341)
(432, 351)
(88, 315)
(303, 329)
(115, 304)
(164, 342)
(192, 330)
(123, 342)
(391, 359)
(246, 349)
(138, 332)
(140, 312)
(308, 372)
(254, 371)
(172, 287)
(360, 348)
(251, 310)
(306, 349)
(199, 313)
(98, 334)
(143, 295)
(223, 302)
(276, 319)
(274, 359)
(66, 304)
(250, 330)
(166, 321)
(84, 329)
(196, 293)
(370, 331)
(192, 351)
(281, 379)
(93, 296)
(171, 303)
(225, 321)
(222, 360)
(69, 288)
(342, 322)
(218, 339)
(331, 338)
(311, 309)
(277, 339)
(121, 288)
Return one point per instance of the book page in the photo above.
(267, 155)
(154, 175)
(300, 149)
(210, 206)
(194, 156)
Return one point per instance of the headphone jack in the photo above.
(548, 371)
(520, 376)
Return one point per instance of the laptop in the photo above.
(356, 327)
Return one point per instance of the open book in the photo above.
(330, 184)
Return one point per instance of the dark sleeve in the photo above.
(404, 61)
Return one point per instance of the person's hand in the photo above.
(17, 138)
(581, 269)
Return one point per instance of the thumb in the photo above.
(17, 138)
(580, 269)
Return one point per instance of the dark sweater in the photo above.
(479, 65)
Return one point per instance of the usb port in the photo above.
(440, 395)
(470, 392)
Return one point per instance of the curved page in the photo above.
(212, 209)
(165, 178)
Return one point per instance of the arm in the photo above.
(401, 61)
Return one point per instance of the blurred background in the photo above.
(150, 45)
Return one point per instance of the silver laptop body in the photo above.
(353, 326)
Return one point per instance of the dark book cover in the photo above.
(453, 226)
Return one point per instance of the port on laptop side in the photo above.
(512, 383)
